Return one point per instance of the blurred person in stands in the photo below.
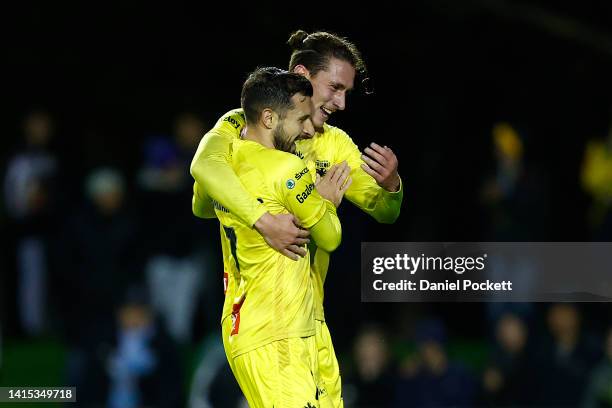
(514, 198)
(177, 259)
(599, 389)
(565, 358)
(30, 196)
(372, 382)
(100, 257)
(143, 365)
(508, 380)
(513, 192)
(596, 177)
(431, 379)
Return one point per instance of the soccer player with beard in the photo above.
(272, 329)
(331, 63)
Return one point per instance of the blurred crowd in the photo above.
(120, 269)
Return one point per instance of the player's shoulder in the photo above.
(334, 131)
(278, 161)
(237, 114)
(232, 121)
(272, 167)
(269, 161)
(336, 140)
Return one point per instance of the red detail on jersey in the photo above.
(225, 282)
(236, 316)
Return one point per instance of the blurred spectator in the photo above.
(599, 389)
(100, 257)
(508, 381)
(30, 199)
(144, 366)
(431, 380)
(514, 193)
(515, 202)
(566, 359)
(372, 382)
(175, 266)
(597, 182)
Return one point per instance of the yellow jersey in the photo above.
(271, 295)
(212, 173)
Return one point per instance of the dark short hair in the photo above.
(271, 88)
(315, 50)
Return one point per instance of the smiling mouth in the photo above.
(326, 111)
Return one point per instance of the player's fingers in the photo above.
(301, 241)
(303, 233)
(296, 221)
(375, 155)
(346, 185)
(297, 250)
(344, 174)
(337, 172)
(317, 179)
(331, 172)
(390, 155)
(383, 150)
(373, 164)
(371, 172)
(290, 254)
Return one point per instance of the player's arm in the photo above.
(313, 211)
(377, 188)
(201, 204)
(212, 170)
(213, 174)
(327, 232)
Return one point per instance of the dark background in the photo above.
(444, 72)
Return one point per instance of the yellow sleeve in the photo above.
(382, 205)
(213, 173)
(201, 204)
(327, 232)
(301, 199)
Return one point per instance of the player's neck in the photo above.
(263, 137)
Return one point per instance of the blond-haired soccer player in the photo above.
(270, 332)
(331, 63)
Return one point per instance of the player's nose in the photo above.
(308, 130)
(340, 100)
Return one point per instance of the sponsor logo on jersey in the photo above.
(299, 154)
(220, 207)
(290, 184)
(301, 173)
(304, 195)
(232, 121)
(322, 166)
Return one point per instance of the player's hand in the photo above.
(381, 163)
(283, 233)
(334, 183)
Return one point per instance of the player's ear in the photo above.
(267, 118)
(302, 70)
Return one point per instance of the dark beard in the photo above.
(281, 141)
